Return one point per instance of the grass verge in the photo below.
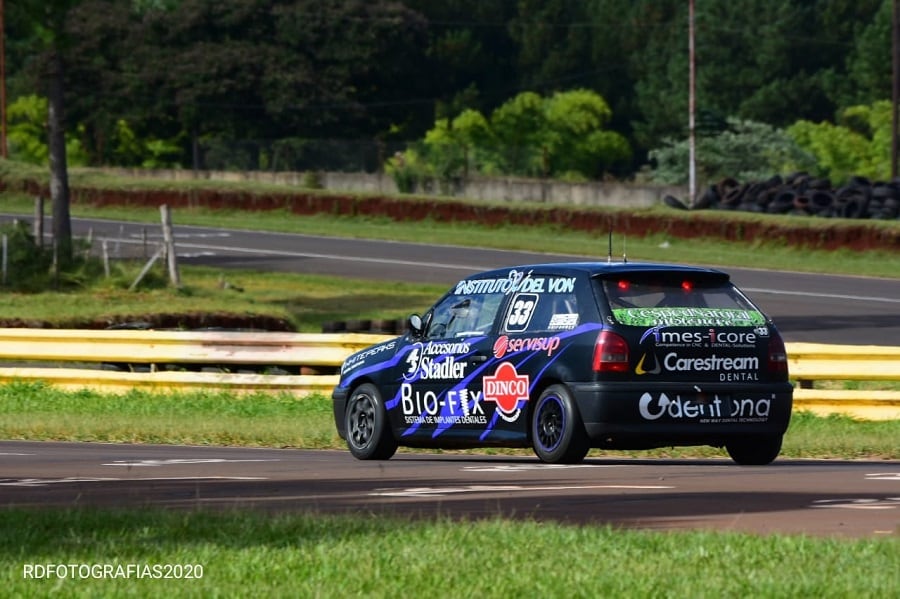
(35, 411)
(303, 555)
(305, 302)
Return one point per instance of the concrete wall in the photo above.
(493, 189)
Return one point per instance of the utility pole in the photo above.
(895, 47)
(4, 149)
(692, 84)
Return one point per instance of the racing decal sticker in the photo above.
(507, 388)
(662, 336)
(563, 322)
(462, 403)
(456, 406)
(516, 281)
(723, 317)
(504, 344)
(693, 350)
(359, 358)
(705, 409)
(737, 368)
(435, 361)
(521, 309)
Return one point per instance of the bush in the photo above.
(27, 264)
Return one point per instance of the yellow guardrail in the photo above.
(182, 360)
(178, 360)
(809, 363)
(229, 348)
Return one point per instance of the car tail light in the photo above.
(610, 353)
(778, 362)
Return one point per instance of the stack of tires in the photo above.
(378, 326)
(803, 195)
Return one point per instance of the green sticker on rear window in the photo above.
(688, 317)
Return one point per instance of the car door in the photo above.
(540, 322)
(439, 401)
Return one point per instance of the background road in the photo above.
(853, 499)
(806, 307)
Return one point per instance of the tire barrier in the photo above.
(392, 326)
(801, 194)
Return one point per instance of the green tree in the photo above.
(458, 146)
(45, 20)
(745, 150)
(470, 59)
(520, 131)
(27, 118)
(757, 60)
(859, 144)
(867, 76)
(563, 135)
(563, 45)
(579, 143)
(106, 79)
(28, 133)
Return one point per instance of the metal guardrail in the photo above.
(812, 362)
(119, 360)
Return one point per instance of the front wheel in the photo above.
(754, 451)
(557, 433)
(368, 431)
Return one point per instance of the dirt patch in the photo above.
(827, 234)
(855, 235)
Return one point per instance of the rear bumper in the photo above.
(617, 415)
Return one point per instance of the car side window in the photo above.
(534, 312)
(463, 316)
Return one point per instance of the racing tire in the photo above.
(557, 432)
(368, 431)
(754, 451)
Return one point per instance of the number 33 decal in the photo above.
(521, 311)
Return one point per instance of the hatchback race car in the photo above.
(572, 356)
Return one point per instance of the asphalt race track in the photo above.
(806, 307)
(854, 499)
(847, 499)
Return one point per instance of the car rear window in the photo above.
(673, 299)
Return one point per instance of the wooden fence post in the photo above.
(169, 240)
(39, 221)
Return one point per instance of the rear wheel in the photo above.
(557, 433)
(368, 432)
(754, 451)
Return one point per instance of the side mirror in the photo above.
(416, 326)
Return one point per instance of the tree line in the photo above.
(577, 88)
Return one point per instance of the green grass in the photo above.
(303, 555)
(303, 301)
(38, 412)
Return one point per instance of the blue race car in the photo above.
(572, 356)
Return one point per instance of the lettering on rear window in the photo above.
(689, 317)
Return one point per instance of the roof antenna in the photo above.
(624, 254)
(609, 254)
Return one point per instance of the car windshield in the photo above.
(463, 315)
(678, 299)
